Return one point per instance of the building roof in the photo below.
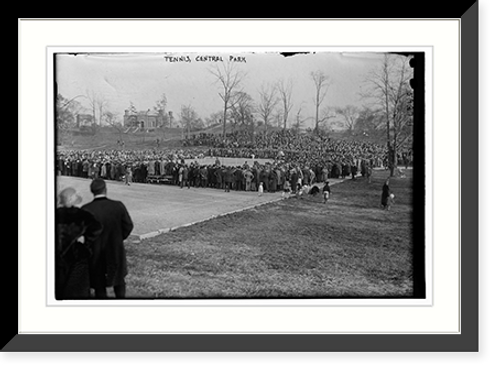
(143, 113)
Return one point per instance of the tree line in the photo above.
(386, 96)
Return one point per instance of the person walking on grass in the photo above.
(108, 263)
(386, 195)
(326, 192)
(369, 171)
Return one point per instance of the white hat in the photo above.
(68, 197)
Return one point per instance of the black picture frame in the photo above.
(466, 340)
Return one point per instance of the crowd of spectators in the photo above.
(293, 146)
(293, 158)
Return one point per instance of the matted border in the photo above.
(422, 171)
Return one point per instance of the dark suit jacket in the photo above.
(108, 265)
(228, 175)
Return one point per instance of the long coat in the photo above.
(228, 175)
(108, 264)
(219, 177)
(264, 177)
(385, 194)
(294, 179)
(71, 256)
(273, 181)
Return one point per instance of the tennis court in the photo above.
(156, 208)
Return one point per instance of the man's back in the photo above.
(112, 215)
(108, 263)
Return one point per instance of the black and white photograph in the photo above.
(250, 186)
(214, 174)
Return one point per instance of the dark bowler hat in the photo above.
(98, 186)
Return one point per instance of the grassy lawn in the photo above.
(293, 248)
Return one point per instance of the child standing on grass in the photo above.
(261, 188)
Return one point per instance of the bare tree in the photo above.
(229, 79)
(285, 93)
(214, 119)
(98, 107)
(161, 110)
(277, 116)
(325, 119)
(189, 119)
(66, 111)
(242, 108)
(267, 104)
(389, 89)
(349, 115)
(321, 88)
(298, 120)
(111, 120)
(370, 122)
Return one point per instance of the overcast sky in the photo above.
(142, 78)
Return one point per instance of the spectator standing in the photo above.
(181, 177)
(354, 170)
(128, 175)
(324, 173)
(108, 264)
(386, 192)
(76, 229)
(228, 179)
(261, 188)
(248, 175)
(326, 192)
(185, 176)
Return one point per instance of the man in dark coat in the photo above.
(294, 179)
(108, 264)
(256, 174)
(195, 176)
(264, 178)
(354, 170)
(346, 170)
(238, 178)
(204, 176)
(219, 177)
(143, 173)
(386, 192)
(186, 176)
(228, 179)
(211, 177)
(273, 181)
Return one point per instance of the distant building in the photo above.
(84, 120)
(142, 119)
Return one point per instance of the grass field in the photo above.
(293, 248)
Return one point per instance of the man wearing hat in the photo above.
(108, 264)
